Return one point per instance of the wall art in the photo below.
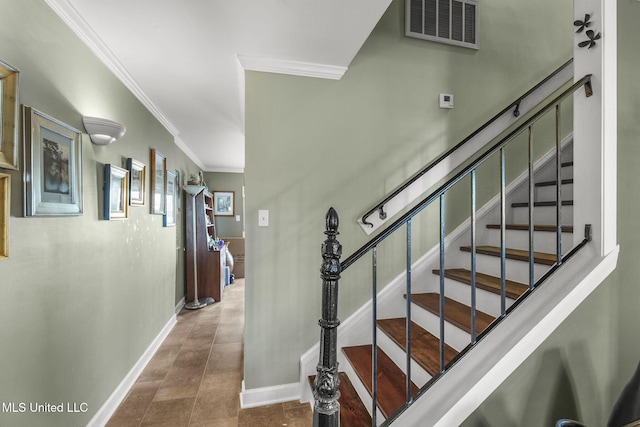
(223, 203)
(158, 182)
(137, 182)
(5, 212)
(53, 166)
(116, 192)
(171, 200)
(9, 120)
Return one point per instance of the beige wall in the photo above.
(312, 144)
(80, 298)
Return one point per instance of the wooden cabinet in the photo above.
(210, 263)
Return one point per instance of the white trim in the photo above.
(111, 404)
(179, 305)
(294, 68)
(65, 10)
(268, 395)
(473, 379)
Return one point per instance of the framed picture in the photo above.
(223, 203)
(171, 200)
(137, 181)
(5, 198)
(116, 192)
(52, 166)
(158, 182)
(9, 119)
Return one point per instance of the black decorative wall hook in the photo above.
(582, 24)
(592, 35)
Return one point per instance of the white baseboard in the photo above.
(111, 404)
(269, 395)
(180, 304)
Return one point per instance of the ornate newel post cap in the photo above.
(332, 221)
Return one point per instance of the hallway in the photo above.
(195, 377)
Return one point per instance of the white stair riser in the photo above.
(418, 375)
(541, 215)
(548, 192)
(549, 173)
(543, 241)
(518, 271)
(454, 336)
(486, 301)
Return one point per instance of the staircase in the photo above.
(356, 388)
(434, 318)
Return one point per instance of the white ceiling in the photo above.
(185, 59)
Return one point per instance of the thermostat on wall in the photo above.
(446, 100)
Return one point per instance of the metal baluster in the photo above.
(374, 351)
(473, 256)
(503, 235)
(326, 412)
(558, 190)
(408, 324)
(531, 202)
(442, 225)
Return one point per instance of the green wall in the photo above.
(228, 226)
(581, 369)
(80, 298)
(312, 144)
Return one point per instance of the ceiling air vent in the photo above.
(445, 21)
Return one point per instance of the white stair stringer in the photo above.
(473, 378)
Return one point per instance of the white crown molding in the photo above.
(81, 28)
(295, 68)
(224, 170)
(186, 150)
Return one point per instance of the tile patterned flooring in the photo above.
(195, 377)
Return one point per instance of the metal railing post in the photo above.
(326, 412)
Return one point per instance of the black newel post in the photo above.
(326, 412)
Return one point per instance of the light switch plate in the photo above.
(263, 218)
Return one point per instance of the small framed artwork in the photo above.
(137, 181)
(9, 120)
(171, 200)
(116, 192)
(5, 198)
(223, 203)
(52, 166)
(158, 182)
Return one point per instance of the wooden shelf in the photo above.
(210, 263)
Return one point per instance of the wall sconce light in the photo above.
(103, 131)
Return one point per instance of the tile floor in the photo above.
(195, 377)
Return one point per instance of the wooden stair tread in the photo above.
(485, 282)
(352, 410)
(536, 227)
(554, 182)
(425, 347)
(516, 254)
(455, 312)
(392, 388)
(549, 203)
